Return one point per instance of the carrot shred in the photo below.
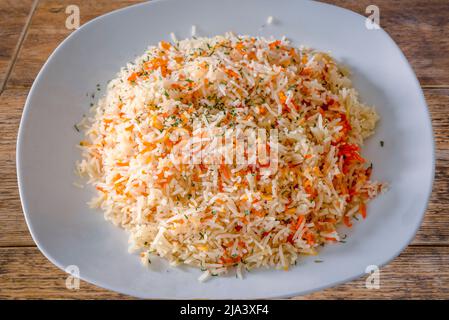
(239, 47)
(299, 222)
(347, 221)
(133, 77)
(232, 73)
(101, 189)
(274, 44)
(363, 210)
(310, 238)
(165, 45)
(224, 170)
(282, 97)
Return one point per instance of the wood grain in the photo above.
(13, 16)
(419, 272)
(13, 230)
(48, 29)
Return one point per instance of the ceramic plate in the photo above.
(70, 234)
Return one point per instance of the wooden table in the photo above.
(31, 29)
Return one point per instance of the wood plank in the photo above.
(13, 231)
(419, 28)
(419, 273)
(47, 30)
(13, 15)
(26, 274)
(416, 26)
(437, 211)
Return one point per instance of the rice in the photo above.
(174, 150)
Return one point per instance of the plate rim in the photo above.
(290, 293)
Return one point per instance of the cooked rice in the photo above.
(220, 216)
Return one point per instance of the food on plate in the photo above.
(230, 152)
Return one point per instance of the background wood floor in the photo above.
(31, 29)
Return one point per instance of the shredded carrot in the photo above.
(224, 170)
(262, 110)
(274, 44)
(117, 177)
(363, 210)
(165, 45)
(309, 238)
(282, 97)
(176, 86)
(156, 123)
(299, 222)
(232, 73)
(309, 188)
(157, 63)
(100, 189)
(347, 221)
(304, 59)
(133, 77)
(292, 52)
(239, 47)
(252, 55)
(179, 59)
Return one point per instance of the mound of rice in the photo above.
(223, 215)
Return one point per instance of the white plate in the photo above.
(68, 233)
